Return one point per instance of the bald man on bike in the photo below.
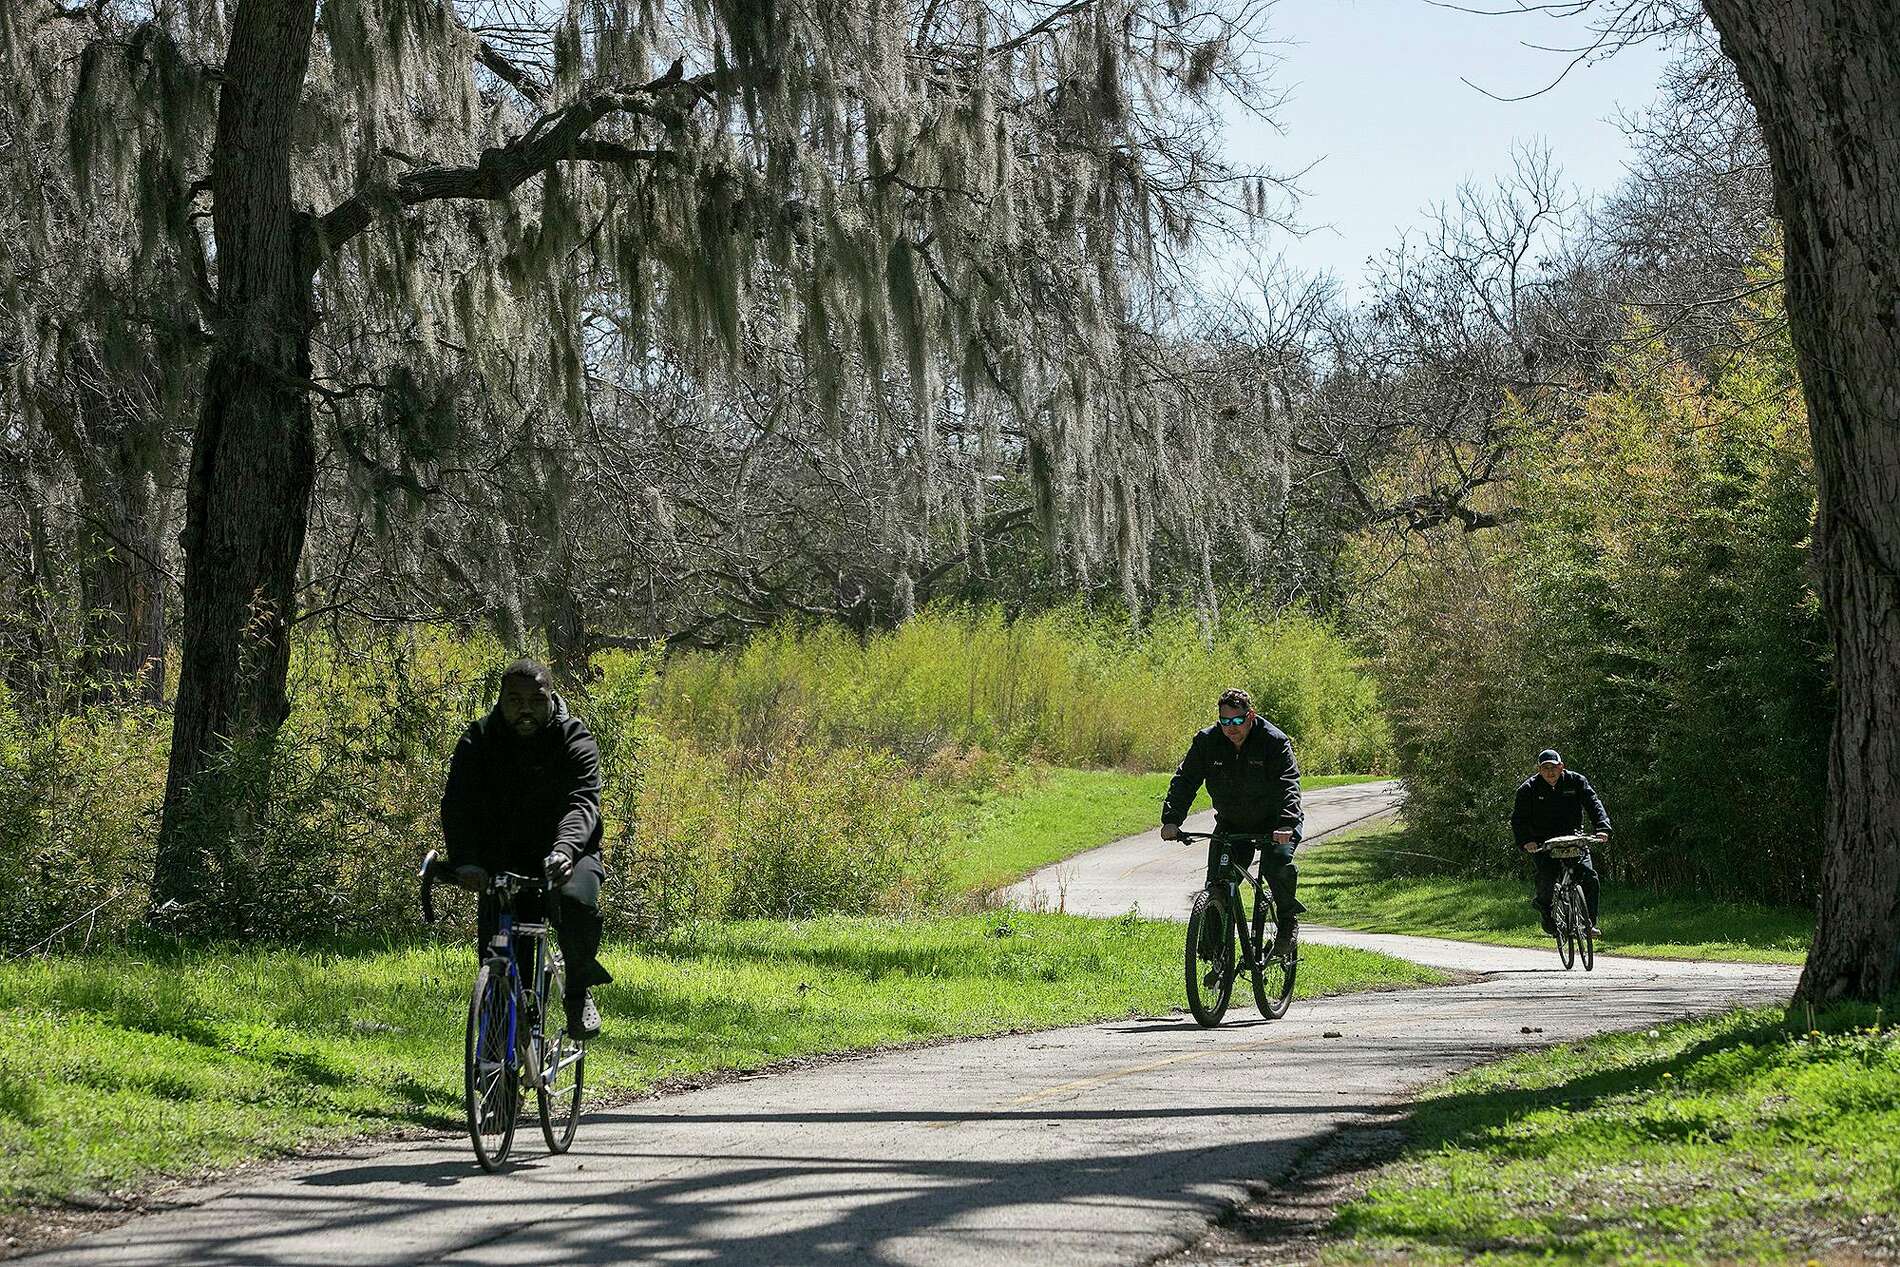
(1555, 801)
(523, 795)
(1247, 764)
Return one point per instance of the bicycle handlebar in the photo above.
(435, 866)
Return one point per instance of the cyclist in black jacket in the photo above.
(523, 795)
(1554, 802)
(1254, 782)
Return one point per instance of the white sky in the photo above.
(1377, 100)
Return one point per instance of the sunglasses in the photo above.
(1233, 721)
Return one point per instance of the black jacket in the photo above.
(1255, 787)
(1542, 811)
(512, 801)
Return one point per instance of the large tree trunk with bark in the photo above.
(115, 455)
(253, 460)
(122, 581)
(1825, 79)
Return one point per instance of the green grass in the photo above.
(1054, 814)
(115, 1070)
(1366, 879)
(1725, 1140)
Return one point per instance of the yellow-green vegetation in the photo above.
(1734, 1140)
(1049, 815)
(115, 1069)
(1075, 687)
(1382, 878)
(807, 772)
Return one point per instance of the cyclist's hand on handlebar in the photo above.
(1282, 837)
(1170, 831)
(558, 867)
(1532, 846)
(1601, 837)
(468, 876)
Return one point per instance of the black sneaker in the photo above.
(1550, 925)
(583, 1018)
(1286, 941)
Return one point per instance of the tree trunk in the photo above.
(1825, 79)
(122, 585)
(253, 460)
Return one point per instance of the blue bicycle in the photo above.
(517, 1034)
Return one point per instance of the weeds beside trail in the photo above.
(115, 1070)
(1379, 879)
(1734, 1140)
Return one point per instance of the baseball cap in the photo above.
(1549, 756)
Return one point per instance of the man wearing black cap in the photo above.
(524, 796)
(1248, 766)
(1554, 802)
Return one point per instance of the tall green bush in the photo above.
(1651, 615)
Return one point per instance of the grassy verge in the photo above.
(1362, 880)
(1726, 1140)
(1055, 814)
(115, 1070)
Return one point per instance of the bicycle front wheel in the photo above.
(489, 1091)
(1563, 911)
(1210, 959)
(563, 1057)
(1586, 944)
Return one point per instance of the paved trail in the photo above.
(1111, 1143)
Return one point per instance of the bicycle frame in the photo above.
(1230, 878)
(505, 952)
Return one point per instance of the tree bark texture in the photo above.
(253, 460)
(116, 456)
(1824, 76)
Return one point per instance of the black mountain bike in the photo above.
(1568, 908)
(517, 1034)
(1219, 921)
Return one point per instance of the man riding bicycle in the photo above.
(1247, 764)
(1554, 802)
(523, 795)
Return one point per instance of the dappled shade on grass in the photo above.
(116, 1069)
(1738, 1139)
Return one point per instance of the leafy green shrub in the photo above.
(1650, 615)
(79, 800)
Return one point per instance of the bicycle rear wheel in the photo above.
(557, 1090)
(1273, 975)
(489, 1092)
(1560, 911)
(1210, 980)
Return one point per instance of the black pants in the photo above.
(1549, 868)
(576, 921)
(1283, 878)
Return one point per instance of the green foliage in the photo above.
(1728, 1140)
(1070, 686)
(115, 1069)
(1651, 615)
(79, 797)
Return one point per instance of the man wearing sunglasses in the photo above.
(1247, 764)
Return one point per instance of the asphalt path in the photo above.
(1112, 1143)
